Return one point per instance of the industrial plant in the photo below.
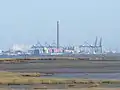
(55, 48)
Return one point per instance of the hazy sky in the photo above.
(26, 21)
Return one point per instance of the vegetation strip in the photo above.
(16, 78)
(19, 60)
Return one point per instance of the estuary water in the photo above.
(88, 75)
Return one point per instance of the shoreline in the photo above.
(59, 58)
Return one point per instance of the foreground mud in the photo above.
(63, 89)
(16, 81)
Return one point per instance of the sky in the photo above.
(27, 21)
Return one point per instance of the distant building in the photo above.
(20, 47)
(36, 52)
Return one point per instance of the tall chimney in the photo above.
(57, 34)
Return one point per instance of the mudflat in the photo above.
(64, 66)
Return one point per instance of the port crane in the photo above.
(91, 49)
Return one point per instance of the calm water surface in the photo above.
(88, 75)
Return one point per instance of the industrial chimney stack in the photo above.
(57, 34)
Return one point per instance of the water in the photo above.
(88, 75)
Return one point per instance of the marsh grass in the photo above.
(16, 78)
